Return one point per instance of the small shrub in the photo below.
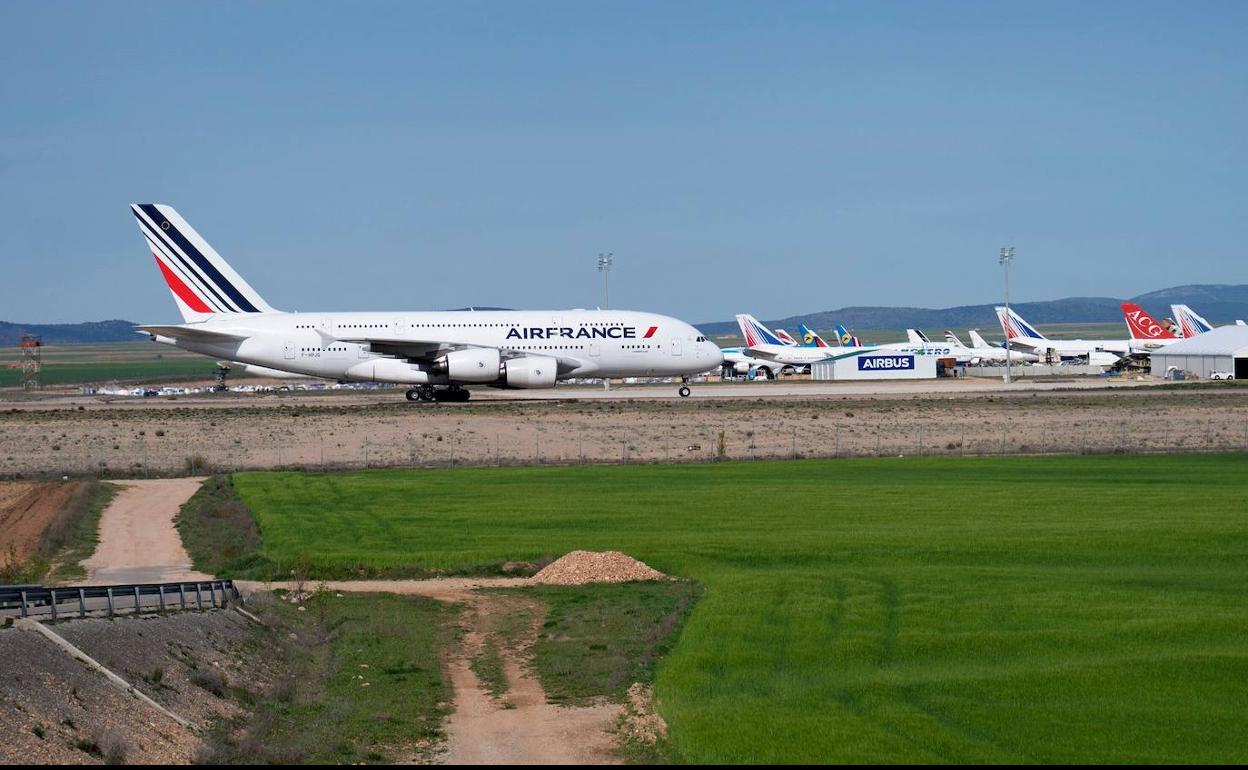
(113, 747)
(38, 731)
(211, 679)
(194, 464)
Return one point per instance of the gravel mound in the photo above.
(582, 567)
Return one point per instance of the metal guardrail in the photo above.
(26, 600)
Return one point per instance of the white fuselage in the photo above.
(400, 347)
(1070, 348)
(742, 362)
(796, 356)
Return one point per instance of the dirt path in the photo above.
(138, 542)
(519, 727)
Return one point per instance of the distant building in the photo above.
(1225, 349)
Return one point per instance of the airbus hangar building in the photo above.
(1224, 349)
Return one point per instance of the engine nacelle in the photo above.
(740, 367)
(471, 365)
(530, 372)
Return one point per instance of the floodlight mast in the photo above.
(1007, 256)
(604, 267)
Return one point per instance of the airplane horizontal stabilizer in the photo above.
(191, 333)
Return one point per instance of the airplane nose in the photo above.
(714, 353)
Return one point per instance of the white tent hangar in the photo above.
(1225, 349)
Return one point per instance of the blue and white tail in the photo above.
(755, 333)
(202, 282)
(1190, 322)
(811, 338)
(916, 337)
(1015, 327)
(847, 340)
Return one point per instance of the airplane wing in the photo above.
(429, 349)
(191, 333)
(764, 355)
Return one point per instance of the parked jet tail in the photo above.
(755, 333)
(1190, 322)
(202, 282)
(847, 339)
(1143, 326)
(916, 337)
(1015, 327)
(979, 342)
(811, 338)
(785, 337)
(952, 338)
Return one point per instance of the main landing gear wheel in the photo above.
(421, 393)
(454, 394)
(684, 391)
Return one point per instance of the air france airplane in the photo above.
(1192, 323)
(435, 352)
(1023, 335)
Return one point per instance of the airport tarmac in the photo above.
(785, 389)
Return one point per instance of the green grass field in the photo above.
(143, 362)
(1056, 609)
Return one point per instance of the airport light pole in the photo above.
(604, 267)
(1007, 256)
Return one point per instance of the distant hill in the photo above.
(1220, 303)
(1217, 302)
(70, 334)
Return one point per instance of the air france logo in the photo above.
(578, 333)
(885, 363)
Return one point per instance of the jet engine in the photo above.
(530, 372)
(470, 365)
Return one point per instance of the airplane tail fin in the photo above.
(977, 340)
(952, 338)
(1014, 327)
(755, 333)
(847, 339)
(1142, 325)
(785, 337)
(811, 338)
(916, 337)
(1190, 322)
(202, 282)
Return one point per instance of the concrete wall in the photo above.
(1034, 370)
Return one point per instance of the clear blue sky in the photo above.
(765, 157)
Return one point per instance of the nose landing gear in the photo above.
(684, 388)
